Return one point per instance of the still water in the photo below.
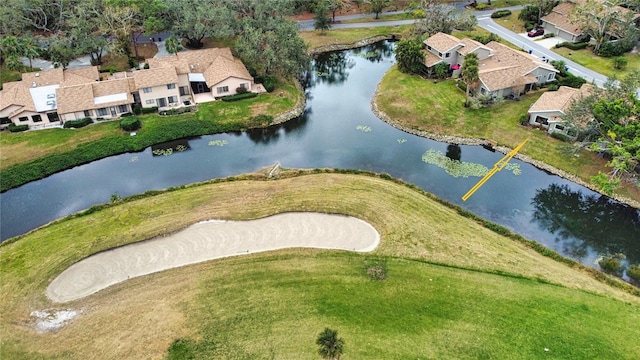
(338, 130)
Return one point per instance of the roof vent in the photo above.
(51, 96)
(191, 66)
(51, 102)
(37, 74)
(33, 84)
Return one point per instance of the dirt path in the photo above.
(212, 240)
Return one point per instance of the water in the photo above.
(338, 130)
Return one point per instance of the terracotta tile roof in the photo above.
(442, 42)
(155, 77)
(430, 59)
(222, 68)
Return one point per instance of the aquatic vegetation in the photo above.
(458, 168)
(320, 73)
(218, 142)
(133, 159)
(402, 141)
(364, 128)
(181, 148)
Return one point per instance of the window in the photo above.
(36, 118)
(23, 118)
(173, 99)
(559, 127)
(123, 108)
(447, 54)
(428, 47)
(146, 90)
(223, 89)
(171, 86)
(542, 120)
(184, 90)
(102, 111)
(4, 121)
(244, 85)
(551, 76)
(53, 117)
(87, 113)
(150, 101)
(440, 54)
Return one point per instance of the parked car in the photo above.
(535, 32)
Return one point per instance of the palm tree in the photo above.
(470, 73)
(331, 347)
(30, 49)
(172, 44)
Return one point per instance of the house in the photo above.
(548, 110)
(49, 98)
(502, 71)
(558, 22)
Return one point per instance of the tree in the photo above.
(29, 49)
(334, 6)
(322, 22)
(378, 5)
(61, 51)
(441, 69)
(409, 56)
(172, 44)
(470, 74)
(596, 19)
(331, 347)
(196, 19)
(10, 48)
(611, 114)
(442, 17)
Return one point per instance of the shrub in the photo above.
(241, 90)
(614, 48)
(553, 87)
(126, 114)
(149, 110)
(529, 26)
(481, 6)
(485, 38)
(619, 62)
(612, 264)
(523, 119)
(130, 123)
(269, 83)
(239, 97)
(572, 46)
(571, 81)
(461, 85)
(75, 124)
(17, 128)
(548, 35)
(137, 109)
(633, 272)
(501, 14)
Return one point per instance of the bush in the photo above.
(501, 14)
(242, 90)
(614, 48)
(137, 109)
(524, 120)
(17, 128)
(612, 264)
(548, 35)
(572, 46)
(553, 87)
(571, 81)
(634, 272)
(481, 6)
(126, 114)
(149, 110)
(75, 124)
(130, 123)
(485, 38)
(461, 85)
(239, 97)
(269, 83)
(529, 26)
(619, 62)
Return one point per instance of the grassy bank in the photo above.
(454, 287)
(438, 107)
(33, 155)
(604, 66)
(350, 36)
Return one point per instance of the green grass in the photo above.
(350, 36)
(420, 311)
(488, 295)
(604, 66)
(439, 108)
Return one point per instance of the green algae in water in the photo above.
(458, 168)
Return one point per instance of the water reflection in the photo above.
(331, 68)
(454, 152)
(581, 222)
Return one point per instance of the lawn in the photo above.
(454, 288)
(350, 36)
(604, 66)
(438, 107)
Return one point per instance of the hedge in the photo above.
(501, 13)
(149, 110)
(572, 46)
(75, 124)
(239, 97)
(17, 128)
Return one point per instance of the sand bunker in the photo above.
(212, 240)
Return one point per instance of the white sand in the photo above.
(212, 240)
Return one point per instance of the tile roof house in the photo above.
(548, 110)
(559, 22)
(502, 71)
(48, 98)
